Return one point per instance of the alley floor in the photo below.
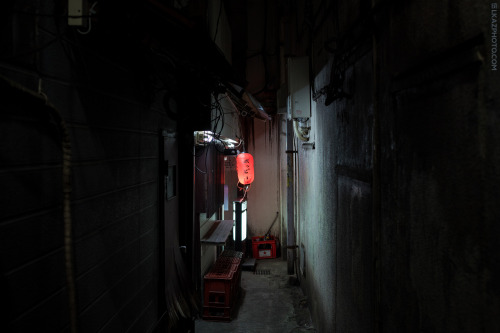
(270, 301)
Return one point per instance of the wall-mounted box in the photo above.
(299, 88)
(77, 10)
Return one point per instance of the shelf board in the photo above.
(218, 232)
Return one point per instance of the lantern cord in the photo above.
(247, 188)
(219, 117)
(204, 151)
(200, 169)
(215, 144)
(241, 143)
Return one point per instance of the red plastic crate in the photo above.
(222, 282)
(217, 313)
(231, 253)
(219, 289)
(230, 263)
(264, 249)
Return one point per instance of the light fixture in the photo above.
(244, 166)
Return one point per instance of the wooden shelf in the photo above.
(218, 232)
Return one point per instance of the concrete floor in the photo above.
(269, 302)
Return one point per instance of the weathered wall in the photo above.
(334, 207)
(263, 196)
(282, 183)
(262, 74)
(113, 121)
(397, 210)
(439, 168)
(114, 203)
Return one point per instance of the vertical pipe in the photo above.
(162, 300)
(376, 184)
(68, 226)
(237, 238)
(289, 198)
(195, 240)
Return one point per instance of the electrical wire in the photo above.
(89, 20)
(218, 108)
(239, 144)
(298, 131)
(205, 151)
(204, 172)
(218, 19)
(219, 118)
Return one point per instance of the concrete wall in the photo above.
(396, 211)
(263, 196)
(114, 193)
(334, 208)
(101, 85)
(439, 168)
(263, 75)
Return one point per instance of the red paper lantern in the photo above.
(244, 166)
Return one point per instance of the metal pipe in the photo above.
(289, 198)
(376, 182)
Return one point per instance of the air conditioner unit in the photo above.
(299, 88)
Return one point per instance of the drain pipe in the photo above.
(289, 197)
(376, 176)
(69, 261)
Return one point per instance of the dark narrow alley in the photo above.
(249, 166)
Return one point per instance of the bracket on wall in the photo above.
(291, 151)
(77, 10)
(309, 144)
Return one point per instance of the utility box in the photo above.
(299, 87)
(77, 10)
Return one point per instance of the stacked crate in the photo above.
(264, 248)
(221, 286)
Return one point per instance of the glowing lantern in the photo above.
(244, 166)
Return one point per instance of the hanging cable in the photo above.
(218, 19)
(245, 189)
(89, 20)
(66, 184)
(301, 132)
